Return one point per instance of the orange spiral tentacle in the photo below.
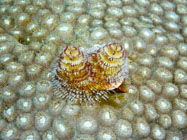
(83, 77)
(107, 64)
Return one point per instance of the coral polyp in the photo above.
(81, 76)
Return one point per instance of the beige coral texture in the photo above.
(154, 34)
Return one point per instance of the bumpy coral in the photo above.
(153, 34)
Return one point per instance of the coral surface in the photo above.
(33, 33)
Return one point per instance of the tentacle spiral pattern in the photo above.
(82, 76)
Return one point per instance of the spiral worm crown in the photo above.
(81, 76)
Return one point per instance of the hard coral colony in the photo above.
(89, 75)
(154, 35)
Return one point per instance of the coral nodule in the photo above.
(88, 76)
